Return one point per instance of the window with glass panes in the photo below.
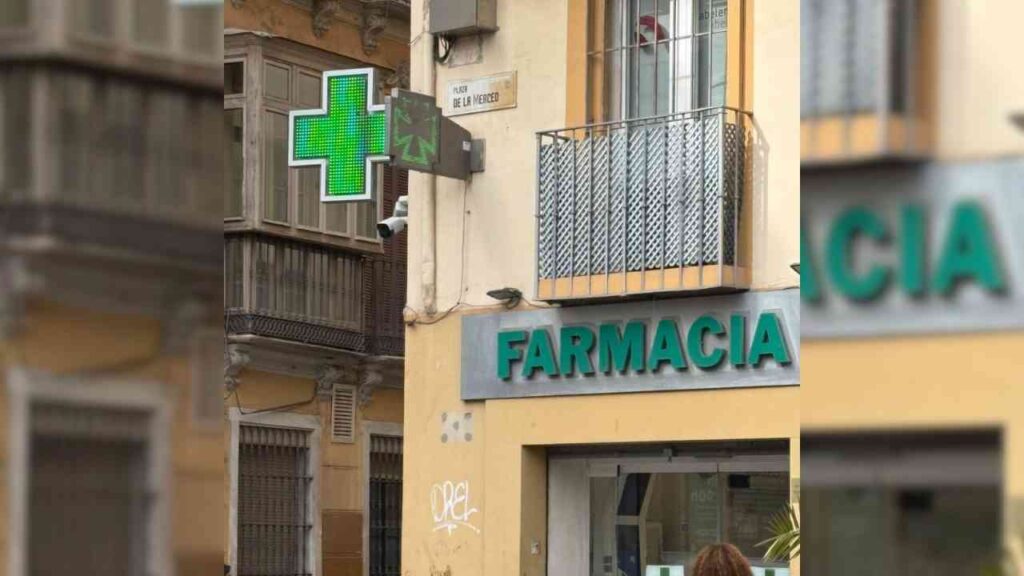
(234, 134)
(655, 57)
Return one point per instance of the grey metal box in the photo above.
(463, 17)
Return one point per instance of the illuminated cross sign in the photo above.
(344, 137)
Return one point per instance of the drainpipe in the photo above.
(428, 199)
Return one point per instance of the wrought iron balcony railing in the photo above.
(313, 294)
(643, 206)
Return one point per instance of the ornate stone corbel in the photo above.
(326, 377)
(371, 381)
(375, 20)
(397, 79)
(236, 357)
(324, 11)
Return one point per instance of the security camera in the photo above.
(396, 223)
(388, 227)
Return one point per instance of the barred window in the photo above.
(89, 490)
(654, 57)
(385, 505)
(275, 520)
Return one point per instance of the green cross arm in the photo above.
(344, 138)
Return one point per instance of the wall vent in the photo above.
(343, 413)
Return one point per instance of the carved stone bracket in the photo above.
(375, 21)
(324, 11)
(326, 377)
(371, 381)
(236, 357)
(397, 79)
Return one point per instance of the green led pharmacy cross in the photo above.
(345, 137)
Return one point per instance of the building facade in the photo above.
(313, 305)
(912, 156)
(603, 344)
(110, 346)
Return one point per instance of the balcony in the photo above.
(309, 294)
(867, 76)
(115, 168)
(642, 207)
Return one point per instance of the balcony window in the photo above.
(94, 18)
(14, 14)
(655, 57)
(129, 147)
(150, 22)
(234, 78)
(275, 176)
(201, 26)
(233, 132)
(15, 133)
(648, 197)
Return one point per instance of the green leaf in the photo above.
(784, 544)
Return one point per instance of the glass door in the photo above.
(651, 518)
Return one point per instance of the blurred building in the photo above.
(603, 350)
(313, 304)
(110, 295)
(913, 287)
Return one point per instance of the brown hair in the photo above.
(721, 560)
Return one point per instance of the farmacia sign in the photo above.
(742, 340)
(614, 347)
(920, 249)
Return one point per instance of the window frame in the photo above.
(628, 52)
(26, 386)
(305, 422)
(123, 33)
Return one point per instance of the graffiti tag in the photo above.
(450, 507)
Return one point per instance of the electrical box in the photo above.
(463, 17)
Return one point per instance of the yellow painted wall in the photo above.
(59, 339)
(504, 469)
(343, 477)
(776, 106)
(978, 85)
(951, 381)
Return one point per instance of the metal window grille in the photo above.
(385, 505)
(856, 56)
(274, 516)
(88, 491)
(644, 194)
(654, 57)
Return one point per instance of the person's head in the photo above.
(721, 560)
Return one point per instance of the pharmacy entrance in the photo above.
(647, 510)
